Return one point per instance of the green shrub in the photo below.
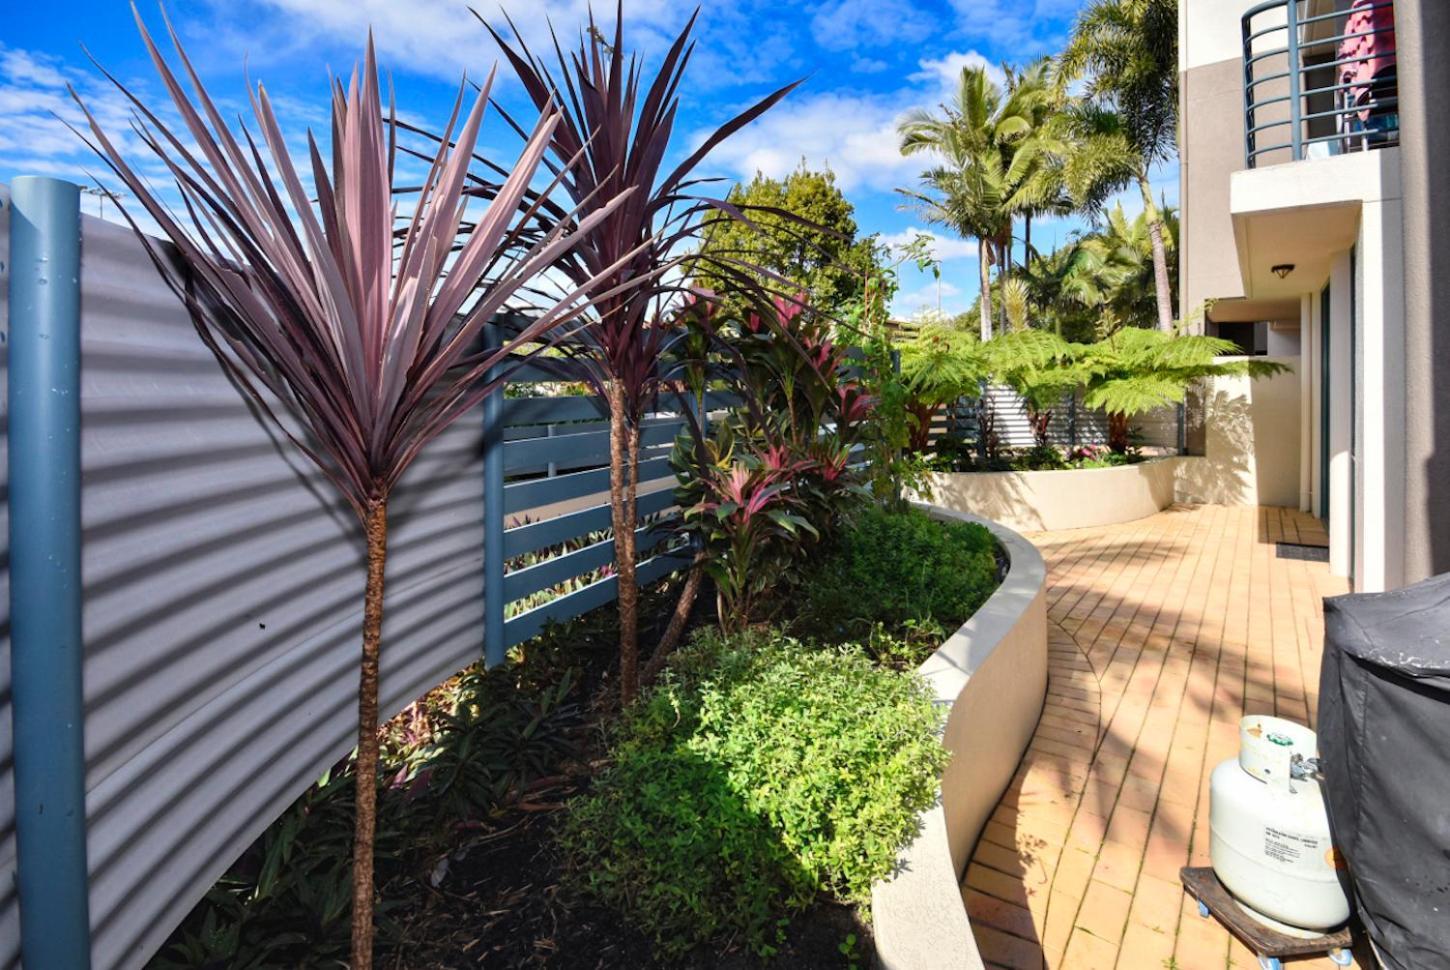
(902, 571)
(760, 772)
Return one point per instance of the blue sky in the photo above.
(865, 63)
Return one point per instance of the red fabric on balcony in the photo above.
(1368, 47)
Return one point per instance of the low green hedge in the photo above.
(901, 571)
(760, 772)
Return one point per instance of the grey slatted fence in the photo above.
(222, 594)
(1155, 430)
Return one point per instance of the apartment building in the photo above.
(1315, 194)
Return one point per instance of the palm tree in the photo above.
(996, 154)
(1116, 264)
(358, 340)
(966, 188)
(1127, 50)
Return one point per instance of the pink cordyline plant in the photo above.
(620, 126)
(361, 342)
(749, 513)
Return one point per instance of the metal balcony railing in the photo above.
(1319, 79)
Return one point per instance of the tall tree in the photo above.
(990, 165)
(1116, 263)
(614, 135)
(1127, 52)
(816, 252)
(965, 188)
(360, 350)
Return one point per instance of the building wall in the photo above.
(1424, 70)
(1210, 149)
(1251, 442)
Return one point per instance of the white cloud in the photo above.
(946, 71)
(35, 110)
(1026, 28)
(943, 248)
(923, 300)
(867, 65)
(440, 38)
(848, 24)
(853, 135)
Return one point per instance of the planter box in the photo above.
(1071, 499)
(991, 676)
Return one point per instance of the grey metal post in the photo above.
(1182, 428)
(553, 469)
(1250, 139)
(493, 558)
(46, 649)
(1296, 133)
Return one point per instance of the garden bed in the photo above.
(1039, 501)
(991, 675)
(522, 821)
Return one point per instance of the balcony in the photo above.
(1319, 79)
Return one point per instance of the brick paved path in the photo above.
(1163, 632)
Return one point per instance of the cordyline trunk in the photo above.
(623, 487)
(366, 770)
(984, 271)
(676, 629)
(1160, 258)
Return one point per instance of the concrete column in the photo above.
(1423, 38)
(1379, 332)
(1341, 418)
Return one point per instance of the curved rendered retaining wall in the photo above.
(1069, 499)
(992, 676)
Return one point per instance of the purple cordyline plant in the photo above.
(619, 125)
(360, 341)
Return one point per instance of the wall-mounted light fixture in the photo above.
(1282, 270)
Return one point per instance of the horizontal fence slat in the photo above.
(550, 532)
(578, 450)
(531, 623)
(520, 583)
(527, 494)
(551, 410)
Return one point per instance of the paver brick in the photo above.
(1162, 634)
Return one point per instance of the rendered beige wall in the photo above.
(1251, 442)
(991, 676)
(1211, 148)
(1072, 499)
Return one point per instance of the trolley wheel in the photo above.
(1342, 958)
(1203, 909)
(1270, 963)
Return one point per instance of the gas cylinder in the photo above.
(1270, 844)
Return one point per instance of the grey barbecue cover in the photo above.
(1384, 740)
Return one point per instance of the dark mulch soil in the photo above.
(502, 902)
(502, 905)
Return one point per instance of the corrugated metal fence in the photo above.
(223, 587)
(1071, 424)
